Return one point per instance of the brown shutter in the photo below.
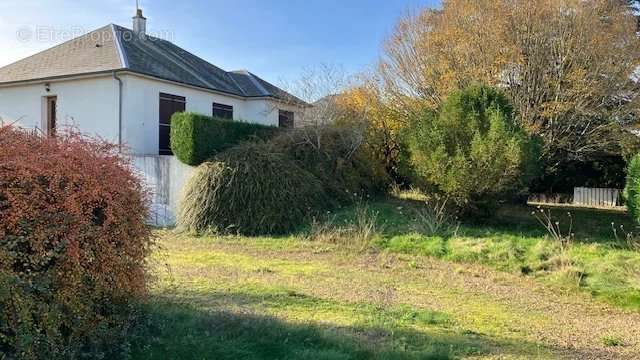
(169, 105)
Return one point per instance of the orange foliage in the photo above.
(73, 238)
(568, 66)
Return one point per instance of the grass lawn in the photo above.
(490, 290)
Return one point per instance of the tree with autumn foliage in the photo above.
(569, 67)
(365, 106)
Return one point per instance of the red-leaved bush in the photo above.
(73, 243)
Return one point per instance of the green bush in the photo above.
(250, 189)
(335, 155)
(196, 138)
(632, 188)
(273, 186)
(472, 149)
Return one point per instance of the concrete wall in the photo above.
(90, 105)
(165, 177)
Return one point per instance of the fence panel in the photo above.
(597, 197)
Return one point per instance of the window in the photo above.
(286, 119)
(51, 116)
(222, 111)
(169, 105)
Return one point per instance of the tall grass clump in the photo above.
(435, 218)
(358, 232)
(251, 189)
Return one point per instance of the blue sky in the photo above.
(276, 39)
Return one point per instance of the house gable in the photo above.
(91, 53)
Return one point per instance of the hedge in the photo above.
(73, 246)
(632, 188)
(335, 155)
(272, 187)
(196, 138)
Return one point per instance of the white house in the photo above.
(123, 85)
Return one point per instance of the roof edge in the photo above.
(257, 84)
(60, 77)
(124, 61)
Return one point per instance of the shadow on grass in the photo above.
(198, 327)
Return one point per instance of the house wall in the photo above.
(89, 105)
(141, 97)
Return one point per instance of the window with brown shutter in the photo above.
(222, 111)
(169, 105)
(286, 119)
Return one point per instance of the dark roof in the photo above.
(252, 85)
(114, 47)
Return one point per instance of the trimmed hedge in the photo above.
(196, 138)
(632, 188)
(250, 189)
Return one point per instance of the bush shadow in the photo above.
(196, 326)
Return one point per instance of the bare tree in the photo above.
(320, 87)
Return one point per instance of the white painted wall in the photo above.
(141, 109)
(141, 98)
(89, 105)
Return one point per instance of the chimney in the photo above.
(139, 24)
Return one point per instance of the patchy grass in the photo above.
(236, 298)
(513, 241)
(186, 332)
(368, 285)
(612, 340)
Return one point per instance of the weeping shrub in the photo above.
(250, 189)
(472, 149)
(632, 188)
(73, 243)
